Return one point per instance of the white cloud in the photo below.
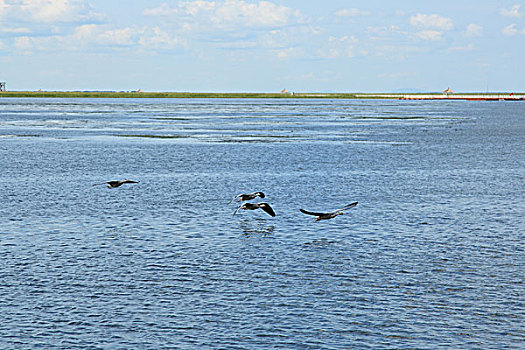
(163, 10)
(192, 8)
(19, 30)
(338, 47)
(240, 45)
(351, 12)
(89, 34)
(384, 33)
(100, 38)
(48, 11)
(432, 26)
(133, 37)
(3, 7)
(85, 32)
(290, 53)
(343, 39)
(24, 44)
(237, 24)
(397, 52)
(431, 35)
(328, 53)
(289, 42)
(229, 14)
(510, 30)
(473, 30)
(431, 21)
(467, 48)
(513, 12)
(121, 36)
(263, 14)
(160, 39)
(99, 35)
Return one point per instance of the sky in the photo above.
(263, 46)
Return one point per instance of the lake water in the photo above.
(431, 257)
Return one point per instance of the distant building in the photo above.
(284, 91)
(2, 86)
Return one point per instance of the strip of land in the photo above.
(126, 94)
(122, 94)
(455, 96)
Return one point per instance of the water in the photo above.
(431, 257)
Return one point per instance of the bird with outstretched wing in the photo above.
(253, 206)
(329, 215)
(247, 196)
(117, 183)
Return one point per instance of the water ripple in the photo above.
(431, 257)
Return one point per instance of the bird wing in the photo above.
(111, 182)
(234, 198)
(311, 213)
(236, 210)
(348, 206)
(266, 207)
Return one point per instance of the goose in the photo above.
(329, 215)
(252, 206)
(117, 183)
(247, 196)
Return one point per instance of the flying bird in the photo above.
(117, 183)
(329, 215)
(252, 206)
(247, 196)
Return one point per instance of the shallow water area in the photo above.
(431, 257)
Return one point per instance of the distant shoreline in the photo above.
(132, 94)
(256, 95)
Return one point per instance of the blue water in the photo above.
(431, 257)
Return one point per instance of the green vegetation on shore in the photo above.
(110, 94)
(300, 95)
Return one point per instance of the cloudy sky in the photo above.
(263, 46)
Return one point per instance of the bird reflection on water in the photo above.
(251, 228)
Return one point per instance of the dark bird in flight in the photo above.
(252, 206)
(330, 215)
(247, 196)
(117, 183)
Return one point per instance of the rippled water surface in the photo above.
(431, 257)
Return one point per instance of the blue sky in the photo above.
(262, 46)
